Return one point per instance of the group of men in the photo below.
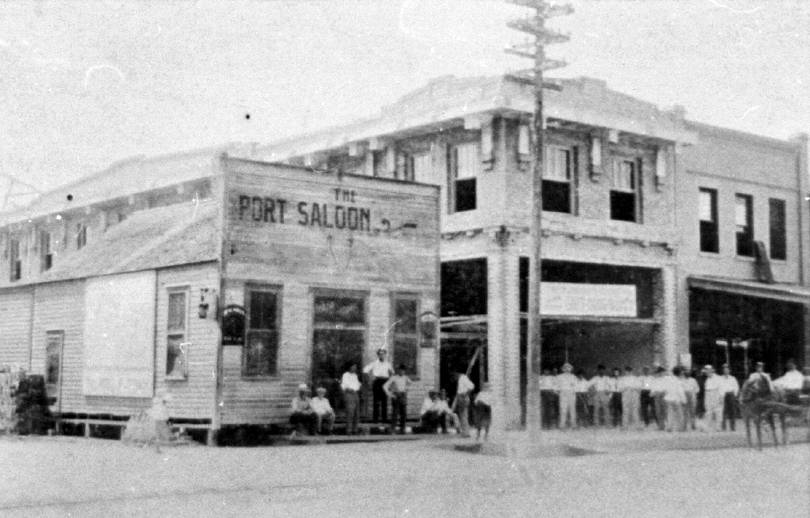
(669, 399)
(436, 412)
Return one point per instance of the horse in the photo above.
(759, 400)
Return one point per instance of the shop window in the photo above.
(624, 191)
(15, 264)
(744, 222)
(419, 168)
(557, 180)
(81, 235)
(45, 254)
(53, 359)
(709, 237)
(176, 333)
(339, 337)
(464, 287)
(777, 229)
(261, 348)
(406, 336)
(465, 164)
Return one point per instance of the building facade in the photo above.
(224, 288)
(622, 270)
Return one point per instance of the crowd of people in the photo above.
(672, 400)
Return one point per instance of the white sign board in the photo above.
(581, 299)
(119, 335)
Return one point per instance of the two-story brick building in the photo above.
(622, 269)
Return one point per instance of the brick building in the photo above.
(623, 272)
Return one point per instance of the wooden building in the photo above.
(225, 289)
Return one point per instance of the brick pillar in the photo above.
(503, 335)
(665, 348)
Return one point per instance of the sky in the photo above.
(83, 85)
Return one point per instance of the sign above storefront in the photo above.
(581, 299)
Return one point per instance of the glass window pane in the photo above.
(741, 211)
(177, 311)
(624, 176)
(262, 310)
(468, 163)
(175, 357)
(405, 315)
(336, 309)
(706, 206)
(557, 164)
(406, 351)
(260, 353)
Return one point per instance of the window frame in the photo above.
(53, 387)
(410, 166)
(173, 333)
(636, 164)
(568, 182)
(416, 335)
(277, 291)
(15, 260)
(81, 235)
(45, 251)
(454, 180)
(774, 240)
(712, 225)
(749, 227)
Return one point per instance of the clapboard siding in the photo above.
(15, 326)
(193, 397)
(298, 259)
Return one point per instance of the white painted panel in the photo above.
(579, 299)
(119, 335)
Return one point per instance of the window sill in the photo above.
(779, 261)
(712, 255)
(272, 377)
(176, 378)
(745, 258)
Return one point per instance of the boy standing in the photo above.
(397, 389)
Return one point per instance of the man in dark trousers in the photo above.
(379, 371)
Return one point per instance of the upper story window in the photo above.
(557, 179)
(777, 229)
(744, 222)
(45, 254)
(624, 198)
(81, 235)
(15, 264)
(464, 166)
(707, 211)
(419, 168)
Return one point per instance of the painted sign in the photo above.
(581, 299)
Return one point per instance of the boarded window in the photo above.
(707, 210)
(176, 343)
(743, 220)
(261, 348)
(406, 337)
(777, 229)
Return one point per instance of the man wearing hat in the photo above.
(567, 385)
(730, 390)
(630, 387)
(713, 391)
(303, 416)
(791, 382)
(324, 415)
(379, 370)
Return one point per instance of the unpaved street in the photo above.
(78, 477)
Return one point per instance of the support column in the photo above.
(665, 346)
(503, 335)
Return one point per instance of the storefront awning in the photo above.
(783, 292)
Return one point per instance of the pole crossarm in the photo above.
(544, 8)
(534, 26)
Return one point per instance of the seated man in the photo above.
(432, 414)
(303, 416)
(324, 415)
(447, 414)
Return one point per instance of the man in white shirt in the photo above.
(602, 387)
(548, 399)
(713, 391)
(691, 388)
(379, 371)
(397, 389)
(647, 403)
(464, 387)
(431, 414)
(324, 415)
(675, 399)
(730, 389)
(658, 391)
(350, 384)
(629, 386)
(791, 382)
(567, 385)
(302, 416)
(583, 404)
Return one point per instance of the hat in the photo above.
(320, 390)
(382, 350)
(567, 367)
(708, 367)
(303, 386)
(759, 364)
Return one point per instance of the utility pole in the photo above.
(534, 25)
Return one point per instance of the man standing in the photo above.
(729, 391)
(397, 389)
(602, 392)
(690, 387)
(567, 385)
(647, 405)
(675, 399)
(350, 385)
(630, 388)
(464, 387)
(713, 391)
(303, 416)
(548, 394)
(658, 391)
(324, 415)
(380, 371)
